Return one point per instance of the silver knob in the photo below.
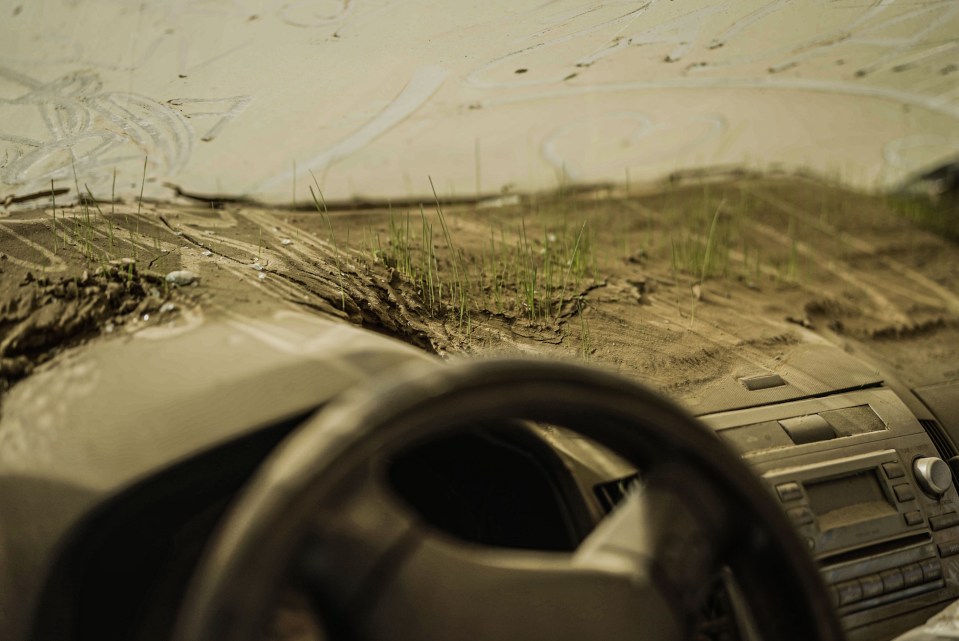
(934, 475)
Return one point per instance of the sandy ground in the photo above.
(621, 280)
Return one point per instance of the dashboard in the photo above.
(871, 495)
(865, 475)
(863, 466)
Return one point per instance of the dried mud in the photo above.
(47, 316)
(791, 256)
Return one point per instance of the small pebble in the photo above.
(167, 307)
(261, 276)
(206, 252)
(286, 241)
(181, 277)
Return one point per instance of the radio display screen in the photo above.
(849, 499)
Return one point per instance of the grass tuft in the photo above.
(336, 250)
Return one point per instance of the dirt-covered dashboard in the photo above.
(867, 478)
(862, 474)
(107, 512)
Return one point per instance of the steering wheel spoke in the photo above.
(352, 540)
(447, 589)
(668, 529)
(645, 566)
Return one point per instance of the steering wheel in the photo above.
(320, 509)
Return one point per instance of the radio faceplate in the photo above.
(850, 502)
(842, 468)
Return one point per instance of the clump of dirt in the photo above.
(48, 317)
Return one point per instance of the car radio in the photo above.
(864, 485)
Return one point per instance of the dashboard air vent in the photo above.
(612, 492)
(939, 438)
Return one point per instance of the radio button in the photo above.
(800, 515)
(849, 592)
(943, 521)
(934, 475)
(915, 518)
(948, 549)
(893, 470)
(911, 575)
(892, 580)
(904, 493)
(789, 491)
(931, 569)
(872, 585)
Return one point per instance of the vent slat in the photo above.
(939, 439)
(612, 492)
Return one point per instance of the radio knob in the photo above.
(934, 475)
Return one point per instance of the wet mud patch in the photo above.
(47, 316)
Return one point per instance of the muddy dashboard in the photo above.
(866, 476)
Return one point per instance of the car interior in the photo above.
(366, 474)
(865, 481)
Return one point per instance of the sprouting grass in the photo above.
(699, 238)
(709, 240)
(705, 266)
(143, 182)
(412, 254)
(939, 217)
(336, 250)
(460, 278)
(535, 260)
(530, 268)
(86, 227)
(103, 218)
(429, 279)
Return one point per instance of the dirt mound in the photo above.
(680, 287)
(48, 317)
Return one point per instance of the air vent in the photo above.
(612, 492)
(939, 438)
(762, 381)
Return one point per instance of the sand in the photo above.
(795, 263)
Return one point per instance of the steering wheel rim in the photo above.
(229, 597)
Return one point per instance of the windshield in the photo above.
(246, 99)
